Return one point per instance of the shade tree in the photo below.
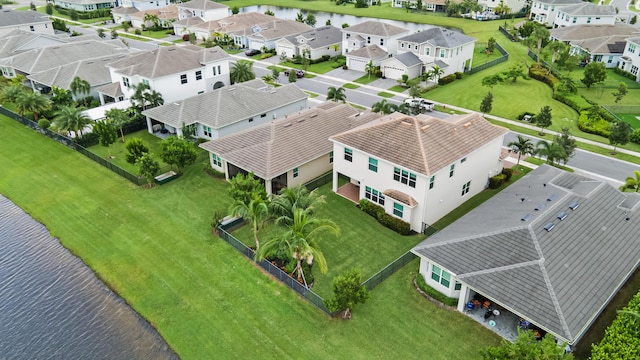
(148, 168)
(178, 152)
(347, 292)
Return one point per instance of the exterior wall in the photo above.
(514, 5)
(286, 48)
(630, 60)
(208, 15)
(216, 72)
(544, 13)
(39, 27)
(145, 5)
(85, 7)
(394, 69)
(563, 19)
(309, 171)
(389, 44)
(426, 268)
(456, 58)
(609, 60)
(321, 51)
(359, 64)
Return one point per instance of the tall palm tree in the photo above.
(241, 71)
(290, 198)
(369, 68)
(79, 86)
(336, 94)
(138, 94)
(152, 99)
(632, 183)
(436, 71)
(522, 146)
(256, 211)
(300, 240)
(70, 119)
(118, 118)
(33, 102)
(540, 33)
(552, 151)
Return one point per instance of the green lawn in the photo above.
(366, 79)
(631, 119)
(350, 86)
(42, 9)
(480, 56)
(319, 68)
(385, 94)
(155, 249)
(398, 88)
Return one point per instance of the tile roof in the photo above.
(272, 149)
(165, 13)
(587, 8)
(16, 41)
(423, 143)
(122, 10)
(237, 22)
(559, 279)
(369, 52)
(277, 29)
(376, 28)
(408, 59)
(114, 90)
(584, 32)
(93, 71)
(400, 196)
(559, 2)
(202, 5)
(318, 37)
(13, 18)
(189, 21)
(227, 105)
(603, 45)
(166, 60)
(439, 37)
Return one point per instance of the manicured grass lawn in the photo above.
(134, 37)
(366, 79)
(398, 88)
(359, 107)
(350, 86)
(311, 94)
(385, 94)
(480, 56)
(155, 248)
(319, 68)
(43, 9)
(631, 119)
(160, 34)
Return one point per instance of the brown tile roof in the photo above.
(369, 52)
(237, 22)
(400, 196)
(583, 32)
(423, 143)
(277, 29)
(275, 148)
(167, 12)
(201, 5)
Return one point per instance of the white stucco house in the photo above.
(265, 35)
(227, 110)
(289, 151)
(166, 17)
(358, 59)
(545, 11)
(514, 5)
(204, 9)
(176, 72)
(585, 13)
(536, 252)
(324, 40)
(30, 21)
(370, 33)
(419, 168)
(630, 59)
(142, 5)
(86, 5)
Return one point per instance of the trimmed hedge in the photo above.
(507, 174)
(447, 79)
(433, 293)
(598, 126)
(576, 103)
(542, 74)
(391, 222)
(496, 181)
(622, 338)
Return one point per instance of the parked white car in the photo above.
(419, 104)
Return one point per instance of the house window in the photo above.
(589, 20)
(331, 157)
(381, 42)
(574, 20)
(452, 169)
(216, 160)
(348, 35)
(295, 172)
(348, 155)
(440, 276)
(463, 160)
(610, 60)
(427, 51)
(442, 52)
(373, 164)
(465, 188)
(374, 195)
(402, 45)
(183, 79)
(32, 28)
(263, 115)
(125, 82)
(457, 286)
(432, 182)
(206, 130)
(398, 209)
(219, 70)
(368, 39)
(198, 75)
(200, 92)
(634, 70)
(632, 48)
(404, 177)
(546, 7)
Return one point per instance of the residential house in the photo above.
(545, 11)
(585, 13)
(289, 151)
(31, 21)
(86, 5)
(552, 249)
(143, 5)
(265, 35)
(630, 60)
(371, 33)
(514, 5)
(204, 9)
(121, 14)
(227, 110)
(17, 41)
(450, 50)
(240, 24)
(166, 16)
(359, 59)
(321, 41)
(176, 72)
(586, 32)
(419, 168)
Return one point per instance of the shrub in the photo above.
(138, 32)
(44, 123)
(88, 139)
(541, 73)
(507, 174)
(634, 137)
(626, 74)
(213, 172)
(622, 337)
(496, 181)
(433, 293)
(597, 126)
(522, 115)
(459, 75)
(447, 79)
(185, 37)
(386, 220)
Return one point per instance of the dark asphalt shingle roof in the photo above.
(439, 37)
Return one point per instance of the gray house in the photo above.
(550, 251)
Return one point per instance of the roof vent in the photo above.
(405, 123)
(563, 215)
(313, 115)
(549, 226)
(540, 207)
(551, 197)
(272, 91)
(574, 205)
(424, 128)
(300, 120)
(526, 217)
(287, 125)
(466, 125)
(522, 199)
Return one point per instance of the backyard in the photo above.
(154, 247)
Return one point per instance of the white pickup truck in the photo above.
(419, 103)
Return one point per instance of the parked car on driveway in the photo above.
(421, 104)
(252, 52)
(299, 73)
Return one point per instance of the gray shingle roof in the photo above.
(114, 90)
(226, 105)
(166, 60)
(273, 149)
(584, 32)
(559, 279)
(439, 37)
(190, 21)
(13, 18)
(319, 37)
(202, 5)
(17, 41)
(93, 71)
(369, 52)
(376, 28)
(603, 45)
(587, 8)
(408, 59)
(423, 144)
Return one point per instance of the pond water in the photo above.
(52, 306)
(336, 19)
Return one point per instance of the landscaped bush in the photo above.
(634, 137)
(507, 172)
(386, 220)
(541, 73)
(459, 75)
(298, 59)
(213, 172)
(496, 181)
(626, 74)
(572, 101)
(447, 79)
(622, 338)
(598, 126)
(88, 140)
(433, 293)
(522, 115)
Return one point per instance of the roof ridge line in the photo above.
(473, 237)
(497, 269)
(554, 300)
(417, 127)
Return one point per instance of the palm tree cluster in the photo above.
(293, 212)
(336, 94)
(385, 107)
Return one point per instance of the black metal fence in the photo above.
(494, 62)
(506, 33)
(317, 182)
(111, 166)
(388, 270)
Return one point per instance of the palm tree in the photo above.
(153, 19)
(540, 33)
(138, 94)
(70, 119)
(427, 76)
(336, 94)
(10, 93)
(381, 107)
(552, 151)
(118, 118)
(256, 211)
(522, 146)
(300, 240)
(79, 86)
(33, 102)
(632, 183)
(241, 71)
(369, 68)
(294, 197)
(152, 99)
(436, 71)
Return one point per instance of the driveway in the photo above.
(346, 75)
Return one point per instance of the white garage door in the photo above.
(356, 64)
